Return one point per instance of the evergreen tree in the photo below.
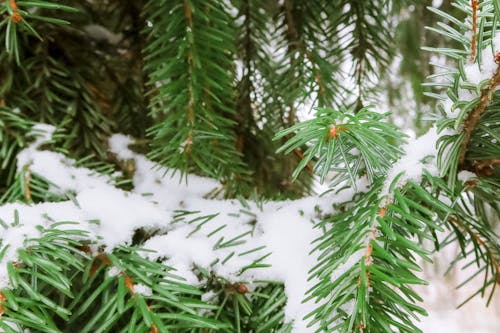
(149, 151)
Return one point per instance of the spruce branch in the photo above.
(477, 239)
(368, 42)
(476, 113)
(349, 145)
(366, 269)
(191, 76)
(18, 20)
(224, 78)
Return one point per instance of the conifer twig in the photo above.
(27, 189)
(15, 17)
(473, 47)
(476, 113)
(494, 261)
(484, 167)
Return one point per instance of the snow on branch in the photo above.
(418, 155)
(228, 237)
(240, 241)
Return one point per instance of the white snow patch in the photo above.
(419, 155)
(465, 175)
(143, 290)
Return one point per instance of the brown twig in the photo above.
(3, 299)
(316, 73)
(476, 113)
(188, 12)
(473, 46)
(188, 143)
(129, 284)
(13, 5)
(27, 189)
(369, 247)
(294, 45)
(481, 242)
(239, 288)
(100, 260)
(484, 167)
(300, 154)
(334, 131)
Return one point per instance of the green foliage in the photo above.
(260, 310)
(350, 144)
(58, 288)
(13, 129)
(219, 88)
(190, 61)
(375, 290)
(76, 79)
(17, 18)
(368, 43)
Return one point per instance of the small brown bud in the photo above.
(241, 288)
(382, 212)
(16, 17)
(497, 57)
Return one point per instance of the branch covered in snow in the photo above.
(240, 241)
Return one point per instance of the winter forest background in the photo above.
(249, 166)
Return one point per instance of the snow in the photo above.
(290, 244)
(182, 252)
(118, 144)
(465, 175)
(419, 155)
(476, 73)
(474, 317)
(60, 170)
(441, 298)
(437, 3)
(114, 271)
(16, 238)
(142, 290)
(280, 232)
(43, 134)
(119, 214)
